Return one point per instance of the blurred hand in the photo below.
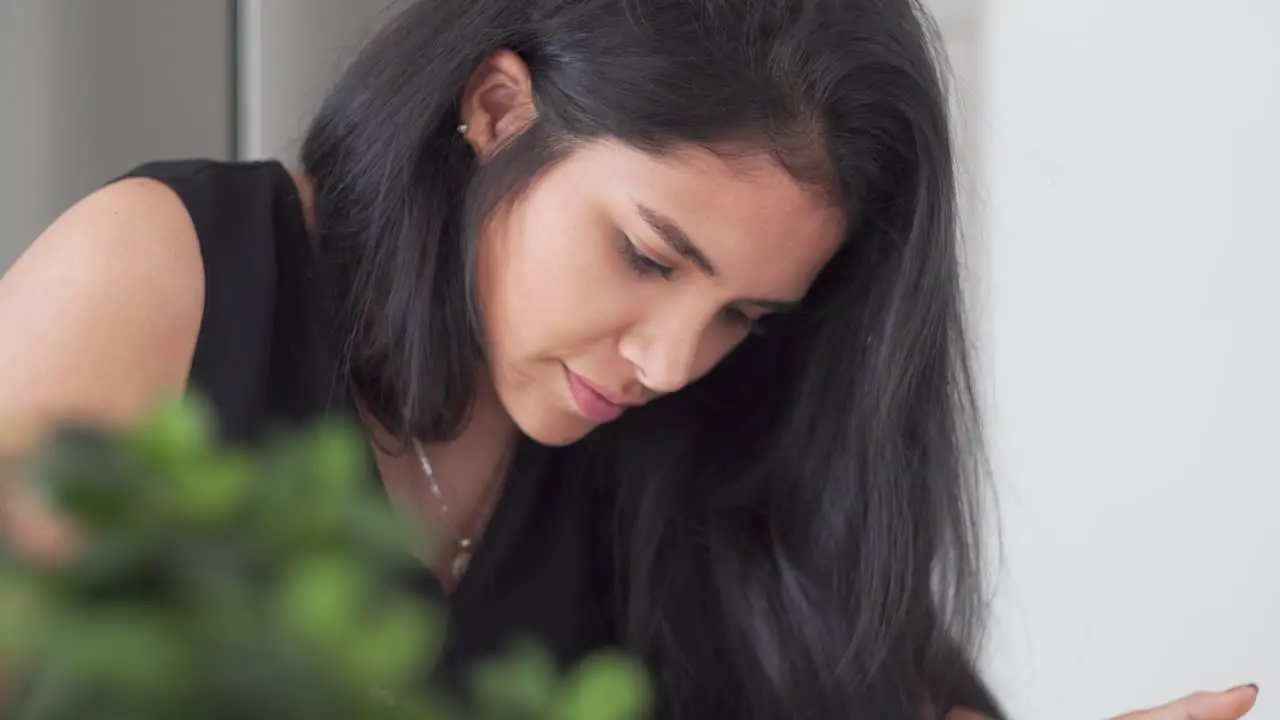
(1227, 705)
(29, 527)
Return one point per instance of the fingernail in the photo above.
(1253, 686)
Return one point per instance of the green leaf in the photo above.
(398, 645)
(23, 612)
(211, 491)
(106, 557)
(177, 433)
(88, 474)
(321, 598)
(605, 686)
(221, 592)
(337, 466)
(518, 684)
(129, 649)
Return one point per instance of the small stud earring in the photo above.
(462, 128)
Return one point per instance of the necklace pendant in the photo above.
(460, 563)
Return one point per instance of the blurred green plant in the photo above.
(220, 582)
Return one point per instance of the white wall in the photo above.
(89, 89)
(1132, 157)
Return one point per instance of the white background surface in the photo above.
(1131, 154)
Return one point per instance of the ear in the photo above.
(498, 102)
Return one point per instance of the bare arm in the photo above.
(97, 319)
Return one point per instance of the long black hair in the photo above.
(797, 530)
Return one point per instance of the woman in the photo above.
(651, 309)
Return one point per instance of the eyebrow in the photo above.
(676, 238)
(681, 244)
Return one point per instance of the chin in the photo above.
(552, 430)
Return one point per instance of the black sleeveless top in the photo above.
(263, 360)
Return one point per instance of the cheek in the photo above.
(550, 288)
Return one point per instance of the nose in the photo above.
(666, 354)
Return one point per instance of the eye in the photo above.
(640, 263)
(740, 319)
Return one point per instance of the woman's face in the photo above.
(619, 276)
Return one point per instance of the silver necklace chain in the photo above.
(465, 546)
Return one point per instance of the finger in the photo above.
(1228, 705)
(31, 529)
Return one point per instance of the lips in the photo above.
(591, 401)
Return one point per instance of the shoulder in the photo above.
(127, 251)
(102, 311)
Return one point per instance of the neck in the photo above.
(482, 450)
(469, 469)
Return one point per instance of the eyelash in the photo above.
(640, 263)
(644, 266)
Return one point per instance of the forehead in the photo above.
(754, 221)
